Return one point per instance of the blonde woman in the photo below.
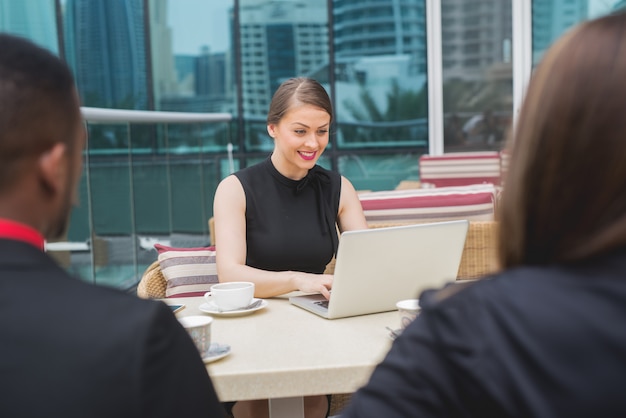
(276, 222)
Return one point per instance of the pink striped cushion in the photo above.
(474, 203)
(187, 271)
(460, 169)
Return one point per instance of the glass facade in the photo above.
(477, 73)
(148, 182)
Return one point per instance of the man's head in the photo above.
(41, 136)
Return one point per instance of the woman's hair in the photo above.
(38, 104)
(564, 197)
(299, 90)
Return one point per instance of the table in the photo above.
(283, 353)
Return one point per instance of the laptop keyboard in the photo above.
(322, 303)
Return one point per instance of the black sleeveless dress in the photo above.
(290, 224)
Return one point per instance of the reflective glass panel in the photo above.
(106, 47)
(381, 90)
(380, 73)
(192, 55)
(477, 73)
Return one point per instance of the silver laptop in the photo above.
(375, 268)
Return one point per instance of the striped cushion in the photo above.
(187, 271)
(460, 169)
(474, 203)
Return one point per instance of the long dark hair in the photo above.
(565, 194)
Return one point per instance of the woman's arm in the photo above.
(229, 211)
(350, 216)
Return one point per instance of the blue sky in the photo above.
(196, 23)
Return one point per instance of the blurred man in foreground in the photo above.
(68, 348)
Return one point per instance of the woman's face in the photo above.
(299, 139)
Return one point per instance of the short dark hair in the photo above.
(38, 104)
(298, 90)
(564, 198)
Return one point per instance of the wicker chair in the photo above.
(480, 251)
(152, 283)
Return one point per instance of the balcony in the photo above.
(148, 177)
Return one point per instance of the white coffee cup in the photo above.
(408, 309)
(230, 296)
(199, 329)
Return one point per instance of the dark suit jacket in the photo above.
(72, 349)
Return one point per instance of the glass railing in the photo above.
(148, 177)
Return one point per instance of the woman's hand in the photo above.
(313, 283)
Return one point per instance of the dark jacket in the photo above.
(72, 349)
(529, 342)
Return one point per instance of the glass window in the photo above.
(148, 183)
(230, 56)
(192, 57)
(477, 73)
(381, 88)
(106, 46)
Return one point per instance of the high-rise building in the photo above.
(185, 78)
(163, 67)
(380, 46)
(380, 28)
(279, 39)
(106, 48)
(476, 35)
(210, 70)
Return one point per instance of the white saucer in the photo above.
(216, 352)
(211, 308)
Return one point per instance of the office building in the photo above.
(106, 48)
(279, 39)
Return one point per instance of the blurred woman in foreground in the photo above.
(546, 336)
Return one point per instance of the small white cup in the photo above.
(231, 296)
(408, 309)
(199, 329)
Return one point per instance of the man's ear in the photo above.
(53, 168)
